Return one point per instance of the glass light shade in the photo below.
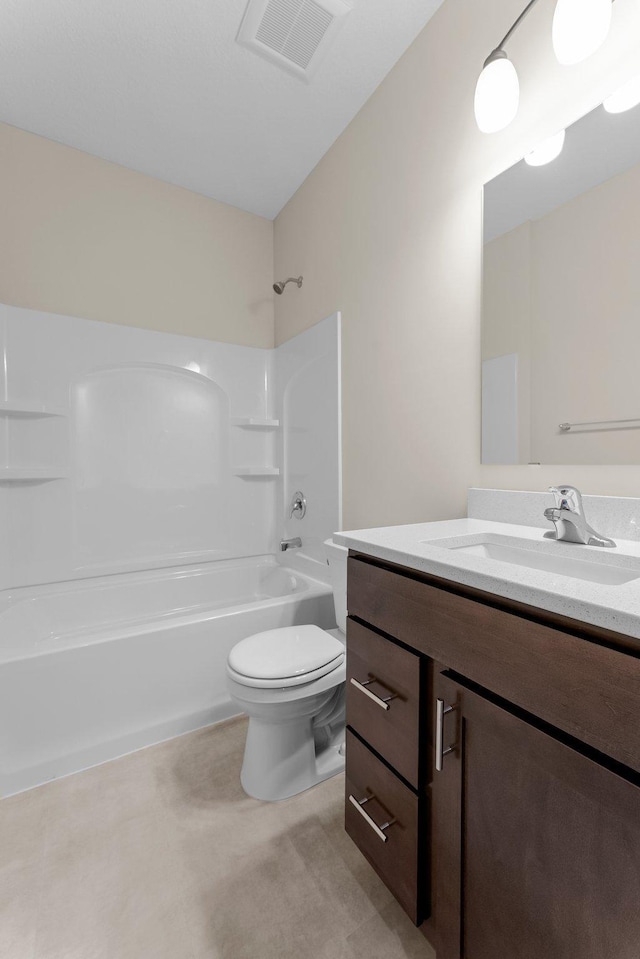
(547, 150)
(626, 97)
(579, 28)
(497, 95)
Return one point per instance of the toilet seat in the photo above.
(285, 657)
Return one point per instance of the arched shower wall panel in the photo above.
(150, 448)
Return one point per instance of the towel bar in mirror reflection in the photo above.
(630, 424)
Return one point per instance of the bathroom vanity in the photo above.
(493, 747)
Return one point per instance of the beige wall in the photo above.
(388, 229)
(88, 238)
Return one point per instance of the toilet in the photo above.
(291, 683)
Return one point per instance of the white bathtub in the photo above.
(93, 669)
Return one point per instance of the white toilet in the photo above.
(291, 683)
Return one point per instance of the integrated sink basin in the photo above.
(597, 566)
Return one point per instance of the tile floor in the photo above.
(160, 855)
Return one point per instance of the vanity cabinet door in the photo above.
(536, 846)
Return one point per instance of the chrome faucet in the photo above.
(569, 520)
(294, 543)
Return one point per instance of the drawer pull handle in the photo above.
(382, 701)
(378, 830)
(441, 752)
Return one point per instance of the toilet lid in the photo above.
(286, 652)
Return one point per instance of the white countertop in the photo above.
(614, 607)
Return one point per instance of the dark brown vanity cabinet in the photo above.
(509, 834)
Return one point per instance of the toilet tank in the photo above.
(337, 560)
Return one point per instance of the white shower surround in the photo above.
(142, 519)
(124, 443)
(151, 435)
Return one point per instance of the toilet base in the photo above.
(284, 759)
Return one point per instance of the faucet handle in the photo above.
(568, 497)
(298, 505)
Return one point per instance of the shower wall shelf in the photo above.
(257, 471)
(255, 423)
(26, 410)
(28, 474)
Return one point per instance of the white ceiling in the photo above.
(162, 87)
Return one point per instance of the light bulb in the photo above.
(497, 93)
(546, 151)
(579, 28)
(625, 97)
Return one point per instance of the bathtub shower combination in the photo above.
(124, 592)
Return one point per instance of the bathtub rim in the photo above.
(120, 629)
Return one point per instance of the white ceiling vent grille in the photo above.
(295, 34)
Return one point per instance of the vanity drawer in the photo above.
(383, 698)
(392, 850)
(555, 668)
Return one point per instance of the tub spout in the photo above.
(294, 543)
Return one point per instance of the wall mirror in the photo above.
(561, 301)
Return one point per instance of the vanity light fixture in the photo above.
(625, 97)
(547, 150)
(579, 28)
(498, 88)
(497, 93)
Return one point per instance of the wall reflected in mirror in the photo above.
(561, 301)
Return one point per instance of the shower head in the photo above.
(279, 287)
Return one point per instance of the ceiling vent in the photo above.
(295, 34)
